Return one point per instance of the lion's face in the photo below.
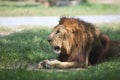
(59, 39)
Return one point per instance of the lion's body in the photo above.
(80, 44)
(108, 49)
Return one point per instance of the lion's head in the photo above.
(60, 39)
(72, 36)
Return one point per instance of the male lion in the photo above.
(79, 44)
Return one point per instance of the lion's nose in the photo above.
(49, 39)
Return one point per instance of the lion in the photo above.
(78, 45)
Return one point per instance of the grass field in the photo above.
(31, 46)
(35, 9)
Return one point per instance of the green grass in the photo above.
(26, 46)
(31, 46)
(35, 9)
(105, 71)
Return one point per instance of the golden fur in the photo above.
(79, 44)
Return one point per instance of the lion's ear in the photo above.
(61, 27)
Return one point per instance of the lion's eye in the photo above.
(57, 32)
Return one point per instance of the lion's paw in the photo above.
(44, 64)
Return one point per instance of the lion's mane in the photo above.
(88, 44)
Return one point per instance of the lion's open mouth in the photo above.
(57, 49)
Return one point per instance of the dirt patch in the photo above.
(5, 31)
(34, 67)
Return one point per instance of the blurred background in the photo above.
(58, 7)
(66, 2)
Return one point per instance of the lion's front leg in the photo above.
(57, 64)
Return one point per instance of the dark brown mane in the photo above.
(70, 20)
